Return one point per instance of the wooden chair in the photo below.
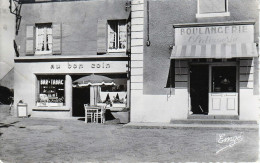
(88, 114)
(100, 114)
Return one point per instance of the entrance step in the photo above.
(199, 116)
(214, 122)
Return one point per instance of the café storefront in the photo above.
(46, 84)
(219, 63)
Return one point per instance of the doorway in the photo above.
(199, 88)
(81, 96)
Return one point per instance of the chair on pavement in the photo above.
(100, 114)
(88, 114)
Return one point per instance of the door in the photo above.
(81, 96)
(199, 88)
(223, 96)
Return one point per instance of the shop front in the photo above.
(46, 85)
(220, 61)
(213, 88)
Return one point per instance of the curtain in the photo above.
(122, 35)
(112, 35)
(40, 39)
(49, 38)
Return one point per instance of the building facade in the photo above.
(61, 41)
(194, 59)
(170, 59)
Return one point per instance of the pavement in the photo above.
(26, 140)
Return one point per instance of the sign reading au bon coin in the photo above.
(214, 35)
(98, 66)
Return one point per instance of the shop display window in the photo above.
(115, 95)
(51, 91)
(224, 79)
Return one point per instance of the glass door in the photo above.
(223, 96)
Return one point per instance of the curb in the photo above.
(253, 127)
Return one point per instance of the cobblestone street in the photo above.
(37, 140)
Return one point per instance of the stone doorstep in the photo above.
(136, 125)
(213, 122)
(200, 116)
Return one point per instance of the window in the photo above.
(115, 95)
(212, 8)
(117, 35)
(224, 79)
(51, 91)
(43, 39)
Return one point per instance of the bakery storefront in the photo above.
(46, 84)
(220, 64)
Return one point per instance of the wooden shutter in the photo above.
(29, 49)
(56, 38)
(102, 36)
(128, 48)
(171, 75)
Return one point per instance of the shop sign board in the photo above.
(214, 35)
(78, 67)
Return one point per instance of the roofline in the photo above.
(72, 58)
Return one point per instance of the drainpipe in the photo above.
(148, 43)
(258, 57)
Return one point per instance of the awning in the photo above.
(93, 80)
(243, 50)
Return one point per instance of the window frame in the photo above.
(213, 14)
(47, 52)
(216, 83)
(117, 37)
(50, 86)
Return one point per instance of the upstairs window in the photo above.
(43, 39)
(212, 8)
(117, 35)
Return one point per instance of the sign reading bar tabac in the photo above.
(214, 35)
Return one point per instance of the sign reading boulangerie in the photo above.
(214, 35)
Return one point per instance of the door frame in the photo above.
(210, 65)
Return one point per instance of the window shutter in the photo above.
(29, 49)
(102, 36)
(171, 75)
(128, 48)
(56, 38)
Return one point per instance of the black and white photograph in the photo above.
(129, 81)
